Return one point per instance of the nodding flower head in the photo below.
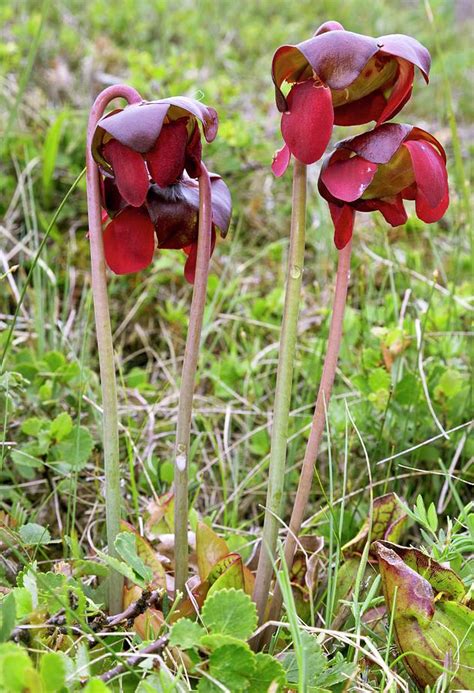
(149, 156)
(342, 78)
(378, 170)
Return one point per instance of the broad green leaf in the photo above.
(7, 616)
(75, 449)
(210, 549)
(126, 547)
(33, 534)
(95, 685)
(61, 426)
(23, 602)
(211, 641)
(147, 554)
(121, 568)
(53, 670)
(17, 673)
(33, 426)
(268, 672)
(230, 612)
(231, 665)
(186, 634)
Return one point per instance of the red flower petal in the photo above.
(401, 90)
(307, 127)
(391, 207)
(330, 25)
(281, 161)
(378, 145)
(129, 241)
(343, 220)
(408, 48)
(432, 196)
(191, 252)
(347, 180)
(194, 154)
(166, 159)
(130, 172)
(361, 111)
(136, 126)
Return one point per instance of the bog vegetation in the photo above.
(159, 579)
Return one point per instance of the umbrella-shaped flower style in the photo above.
(342, 78)
(150, 154)
(378, 170)
(154, 140)
(168, 218)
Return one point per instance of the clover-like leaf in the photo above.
(230, 665)
(269, 674)
(33, 534)
(230, 612)
(186, 634)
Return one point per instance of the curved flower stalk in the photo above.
(340, 78)
(377, 170)
(149, 156)
(104, 339)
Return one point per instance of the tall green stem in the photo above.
(185, 405)
(283, 391)
(113, 497)
(318, 423)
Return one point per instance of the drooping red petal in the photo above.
(343, 220)
(307, 127)
(194, 154)
(378, 145)
(130, 172)
(391, 208)
(166, 158)
(129, 241)
(281, 161)
(361, 111)
(408, 48)
(180, 106)
(432, 196)
(401, 90)
(137, 126)
(346, 180)
(191, 252)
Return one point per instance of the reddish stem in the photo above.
(104, 339)
(185, 405)
(317, 426)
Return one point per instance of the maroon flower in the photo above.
(168, 218)
(339, 77)
(152, 140)
(149, 155)
(378, 170)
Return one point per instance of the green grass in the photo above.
(54, 57)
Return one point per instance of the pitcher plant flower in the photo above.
(144, 167)
(149, 155)
(169, 219)
(340, 78)
(379, 169)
